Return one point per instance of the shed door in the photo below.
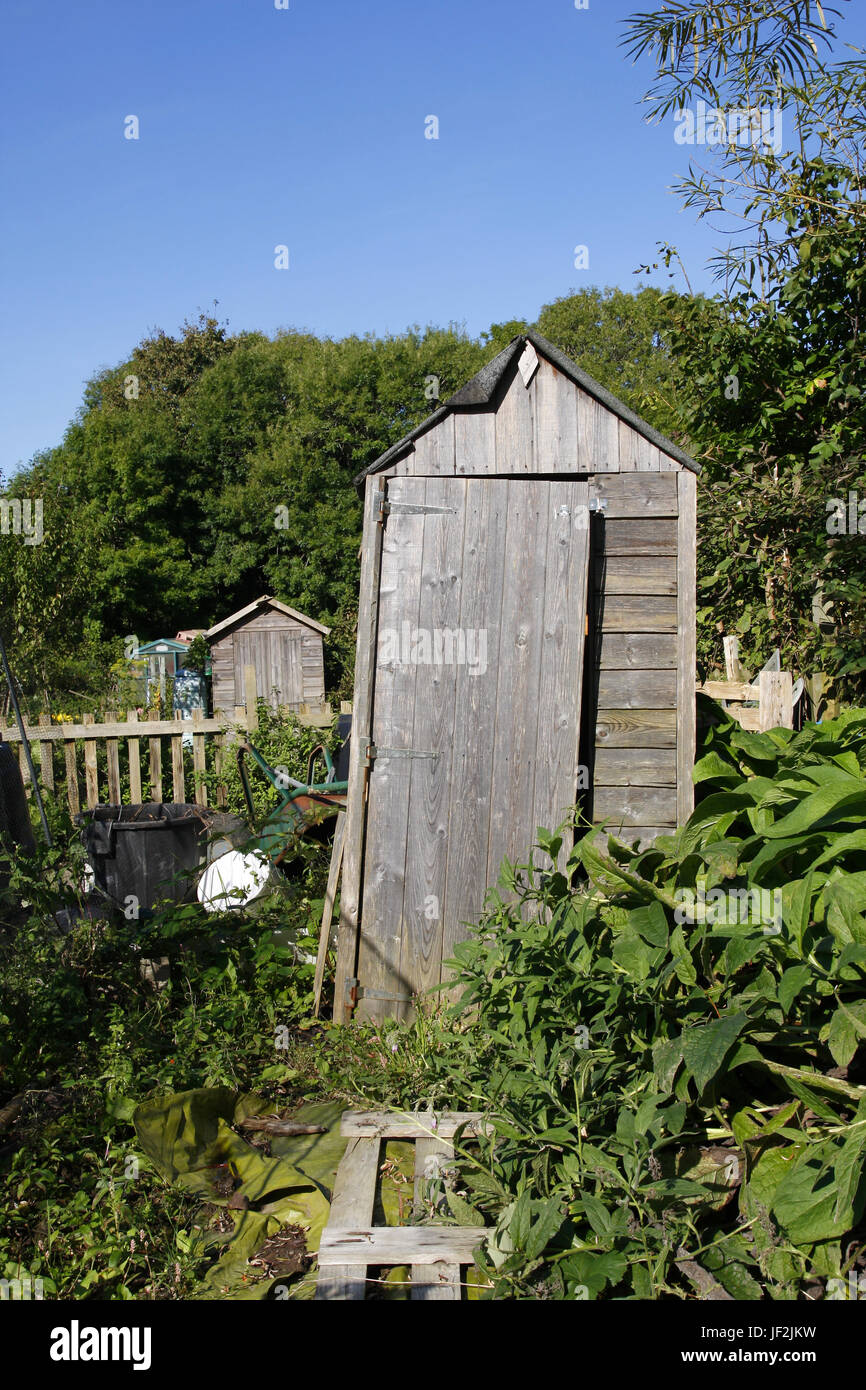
(276, 655)
(476, 709)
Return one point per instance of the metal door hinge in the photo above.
(355, 991)
(370, 751)
(598, 504)
(384, 507)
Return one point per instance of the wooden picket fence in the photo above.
(769, 704)
(128, 732)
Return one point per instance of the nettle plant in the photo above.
(678, 1105)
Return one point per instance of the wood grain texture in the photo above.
(555, 420)
(516, 729)
(155, 768)
(430, 779)
(178, 783)
(434, 453)
(46, 757)
(475, 443)
(636, 728)
(633, 536)
(416, 1245)
(133, 749)
(112, 761)
(637, 689)
(639, 613)
(636, 767)
(635, 805)
(515, 428)
(776, 707)
(597, 436)
(652, 651)
(362, 705)
(387, 828)
(435, 1283)
(558, 708)
(636, 454)
(91, 776)
(71, 760)
(687, 658)
(352, 1202)
(416, 1124)
(198, 759)
(328, 908)
(638, 574)
(486, 519)
(637, 495)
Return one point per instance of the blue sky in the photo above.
(306, 127)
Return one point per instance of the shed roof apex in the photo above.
(265, 600)
(482, 387)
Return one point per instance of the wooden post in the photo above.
(133, 746)
(177, 780)
(252, 713)
(328, 909)
(686, 642)
(112, 755)
(365, 665)
(733, 669)
(219, 760)
(46, 756)
(198, 760)
(91, 774)
(777, 706)
(155, 769)
(71, 758)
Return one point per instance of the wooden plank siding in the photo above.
(482, 535)
(635, 566)
(287, 656)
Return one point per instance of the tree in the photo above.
(621, 339)
(771, 372)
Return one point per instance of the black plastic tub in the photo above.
(14, 815)
(147, 854)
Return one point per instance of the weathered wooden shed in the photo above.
(526, 640)
(283, 645)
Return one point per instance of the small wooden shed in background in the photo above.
(283, 645)
(526, 639)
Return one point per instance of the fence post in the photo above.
(776, 700)
(178, 787)
(198, 761)
(112, 759)
(91, 774)
(46, 756)
(133, 745)
(733, 669)
(71, 776)
(252, 713)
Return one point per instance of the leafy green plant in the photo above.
(667, 1043)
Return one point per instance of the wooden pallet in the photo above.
(350, 1242)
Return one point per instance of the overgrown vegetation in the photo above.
(85, 1037)
(669, 1042)
(668, 1045)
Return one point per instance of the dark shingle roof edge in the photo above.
(481, 388)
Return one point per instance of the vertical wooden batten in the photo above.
(362, 715)
(687, 641)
